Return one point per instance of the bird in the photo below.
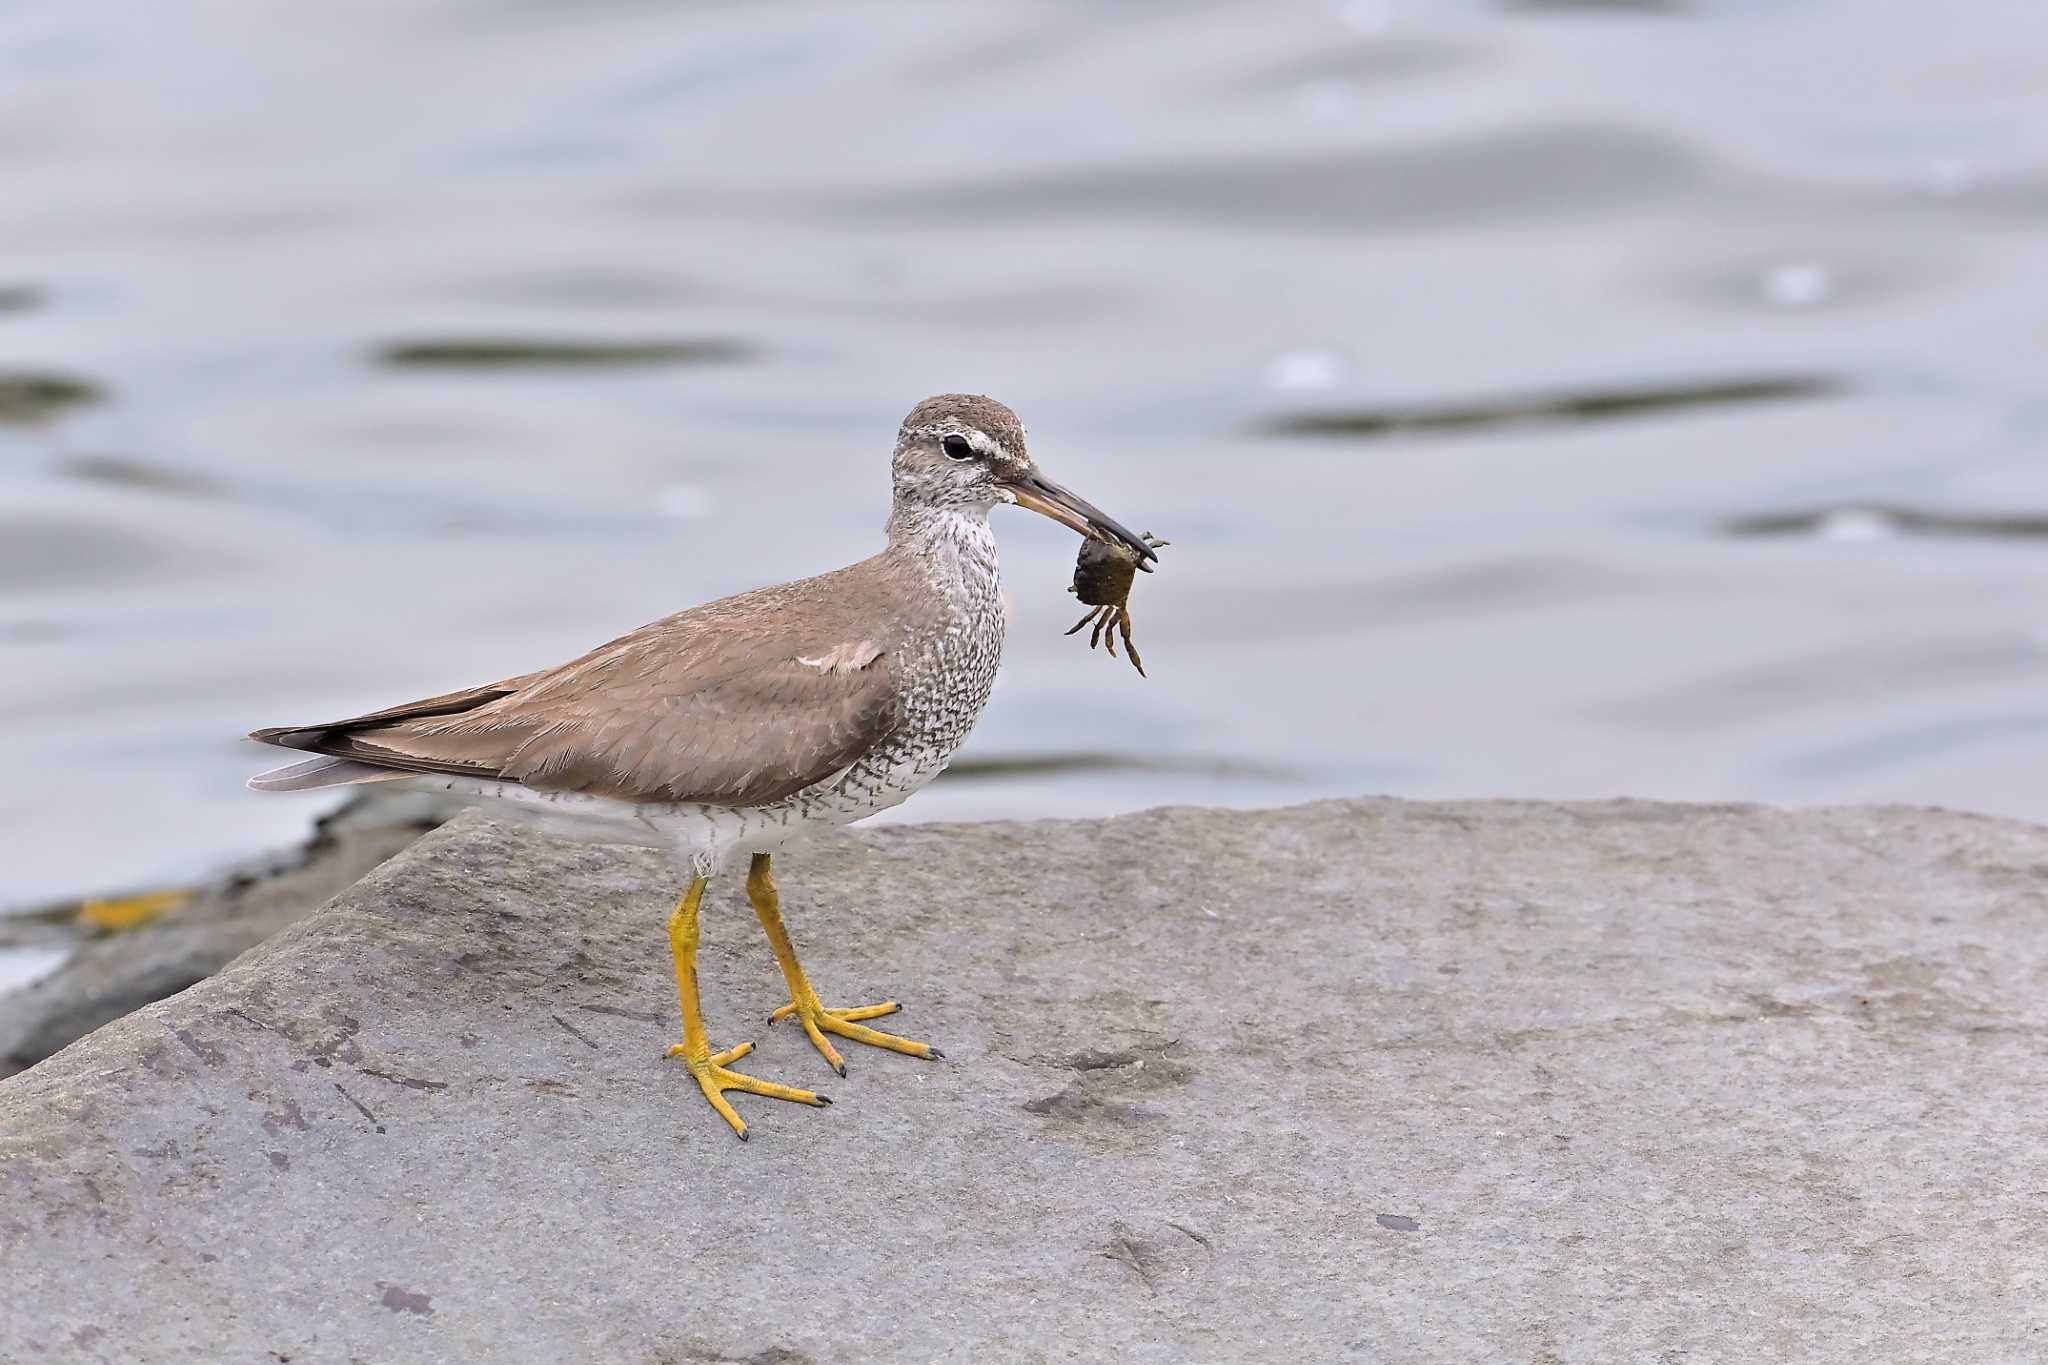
(730, 729)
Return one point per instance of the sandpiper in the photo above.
(735, 726)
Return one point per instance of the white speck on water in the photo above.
(24, 966)
(1296, 371)
(1328, 101)
(1798, 284)
(1947, 179)
(684, 502)
(1367, 16)
(1854, 524)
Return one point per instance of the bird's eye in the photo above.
(957, 448)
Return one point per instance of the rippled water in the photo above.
(1542, 398)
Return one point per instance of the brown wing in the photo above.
(447, 704)
(739, 702)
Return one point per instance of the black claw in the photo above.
(824, 1100)
(934, 1054)
(841, 1069)
(743, 1135)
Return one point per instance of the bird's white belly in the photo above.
(699, 837)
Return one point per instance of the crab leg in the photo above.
(1129, 647)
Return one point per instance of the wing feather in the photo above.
(740, 702)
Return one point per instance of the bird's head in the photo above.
(966, 452)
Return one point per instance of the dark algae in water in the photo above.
(510, 353)
(31, 396)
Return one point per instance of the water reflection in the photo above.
(1516, 174)
(353, 354)
(987, 767)
(1585, 405)
(1657, 7)
(1875, 521)
(29, 396)
(148, 475)
(515, 353)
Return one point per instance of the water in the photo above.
(1546, 399)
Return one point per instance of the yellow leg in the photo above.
(708, 1067)
(803, 1001)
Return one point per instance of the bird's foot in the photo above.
(712, 1076)
(819, 1021)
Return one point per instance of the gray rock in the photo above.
(107, 977)
(1361, 1080)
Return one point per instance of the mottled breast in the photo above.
(945, 655)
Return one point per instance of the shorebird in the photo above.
(733, 727)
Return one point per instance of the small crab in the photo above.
(1103, 575)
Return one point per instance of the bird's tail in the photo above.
(322, 772)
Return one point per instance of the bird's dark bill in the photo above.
(1076, 513)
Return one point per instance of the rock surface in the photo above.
(107, 977)
(1361, 1080)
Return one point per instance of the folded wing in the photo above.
(737, 703)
